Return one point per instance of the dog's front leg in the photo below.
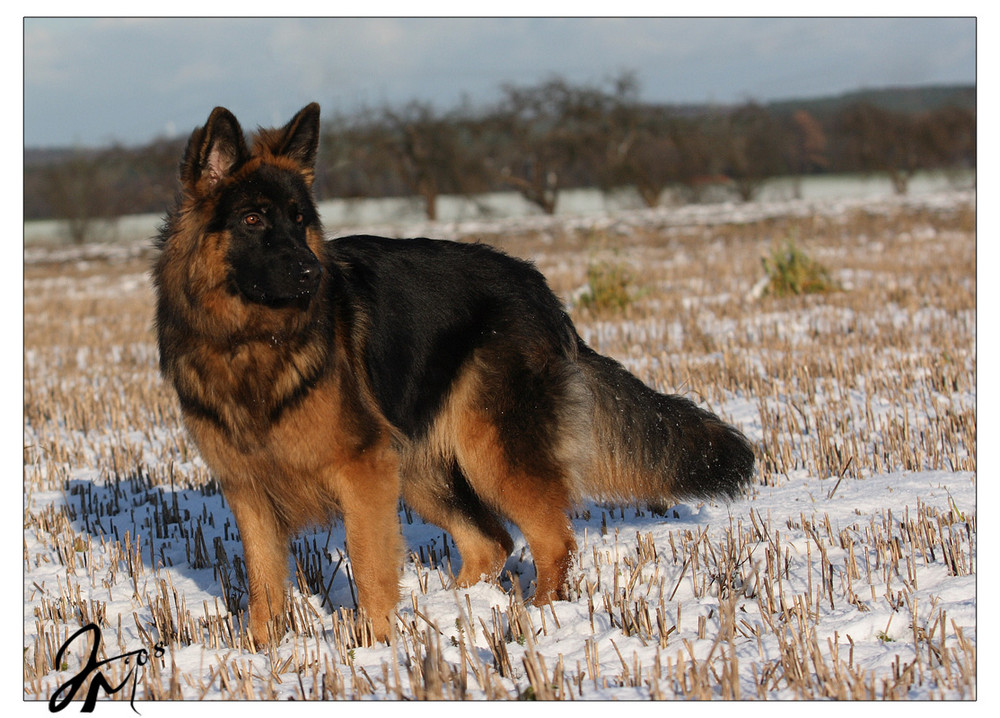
(369, 492)
(265, 551)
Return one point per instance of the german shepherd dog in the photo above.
(334, 377)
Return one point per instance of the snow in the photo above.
(128, 544)
(857, 503)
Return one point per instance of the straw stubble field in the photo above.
(848, 572)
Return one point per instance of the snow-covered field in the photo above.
(849, 571)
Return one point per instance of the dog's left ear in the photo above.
(213, 152)
(299, 139)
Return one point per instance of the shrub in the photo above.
(791, 271)
(608, 287)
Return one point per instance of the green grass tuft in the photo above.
(608, 287)
(791, 271)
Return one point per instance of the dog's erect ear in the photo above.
(302, 136)
(214, 151)
(298, 140)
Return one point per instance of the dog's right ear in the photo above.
(214, 151)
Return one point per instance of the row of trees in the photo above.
(541, 139)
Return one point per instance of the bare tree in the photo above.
(78, 191)
(699, 164)
(545, 136)
(750, 141)
(344, 169)
(810, 145)
(428, 153)
(881, 141)
(649, 162)
(947, 137)
(640, 150)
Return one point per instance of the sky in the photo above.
(94, 81)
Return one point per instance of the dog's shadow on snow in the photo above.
(191, 533)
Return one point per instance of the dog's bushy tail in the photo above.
(655, 447)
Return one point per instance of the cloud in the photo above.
(93, 79)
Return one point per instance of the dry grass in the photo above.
(846, 385)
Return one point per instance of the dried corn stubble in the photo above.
(841, 392)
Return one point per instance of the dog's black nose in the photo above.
(309, 272)
(309, 276)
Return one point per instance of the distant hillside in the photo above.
(46, 156)
(896, 99)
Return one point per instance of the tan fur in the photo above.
(464, 433)
(278, 395)
(300, 471)
(324, 456)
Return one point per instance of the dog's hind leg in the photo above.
(536, 500)
(443, 496)
(539, 508)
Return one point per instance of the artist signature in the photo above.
(67, 691)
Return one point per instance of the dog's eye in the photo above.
(252, 220)
(299, 218)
